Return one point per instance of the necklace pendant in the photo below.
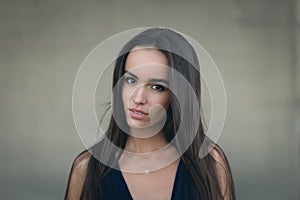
(147, 172)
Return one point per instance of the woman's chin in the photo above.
(144, 130)
(138, 125)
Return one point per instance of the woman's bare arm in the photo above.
(77, 176)
(223, 171)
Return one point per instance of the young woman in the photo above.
(151, 147)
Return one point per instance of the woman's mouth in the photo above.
(137, 114)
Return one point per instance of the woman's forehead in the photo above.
(143, 55)
(147, 63)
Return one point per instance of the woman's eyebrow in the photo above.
(154, 80)
(135, 76)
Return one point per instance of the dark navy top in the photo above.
(115, 187)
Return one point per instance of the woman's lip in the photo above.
(138, 111)
(137, 115)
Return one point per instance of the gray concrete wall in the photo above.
(254, 43)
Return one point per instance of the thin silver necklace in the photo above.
(157, 158)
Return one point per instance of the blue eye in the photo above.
(159, 88)
(130, 81)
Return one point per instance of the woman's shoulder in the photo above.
(217, 153)
(81, 160)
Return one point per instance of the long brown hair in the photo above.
(204, 171)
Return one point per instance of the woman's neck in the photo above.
(144, 145)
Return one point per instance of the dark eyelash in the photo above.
(162, 88)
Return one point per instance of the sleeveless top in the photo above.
(114, 186)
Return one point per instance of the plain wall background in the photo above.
(254, 43)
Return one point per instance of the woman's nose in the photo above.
(139, 95)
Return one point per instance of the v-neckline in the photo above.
(174, 184)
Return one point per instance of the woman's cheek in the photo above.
(125, 94)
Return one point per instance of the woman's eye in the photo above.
(158, 87)
(130, 81)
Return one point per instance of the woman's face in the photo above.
(145, 92)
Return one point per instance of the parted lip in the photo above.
(136, 110)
